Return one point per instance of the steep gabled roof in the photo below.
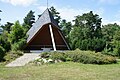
(45, 18)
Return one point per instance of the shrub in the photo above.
(2, 53)
(45, 55)
(5, 44)
(89, 57)
(15, 47)
(12, 55)
(58, 56)
(19, 45)
(86, 57)
(54, 55)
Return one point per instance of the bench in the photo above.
(46, 49)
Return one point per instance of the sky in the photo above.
(108, 10)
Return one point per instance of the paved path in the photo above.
(21, 61)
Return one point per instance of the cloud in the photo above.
(69, 13)
(42, 8)
(106, 21)
(116, 19)
(19, 2)
(117, 15)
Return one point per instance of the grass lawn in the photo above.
(62, 71)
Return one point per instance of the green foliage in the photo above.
(7, 27)
(0, 18)
(109, 31)
(116, 43)
(66, 28)
(89, 57)
(45, 55)
(90, 24)
(75, 36)
(17, 37)
(16, 33)
(2, 53)
(111, 34)
(19, 45)
(95, 44)
(58, 56)
(4, 41)
(55, 14)
(86, 34)
(54, 55)
(86, 57)
(29, 20)
(12, 55)
(4, 36)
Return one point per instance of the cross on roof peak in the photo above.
(47, 3)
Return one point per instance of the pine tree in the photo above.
(29, 20)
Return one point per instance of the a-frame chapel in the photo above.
(46, 35)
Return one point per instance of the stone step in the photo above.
(21, 61)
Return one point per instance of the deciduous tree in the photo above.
(65, 27)
(86, 33)
(17, 36)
